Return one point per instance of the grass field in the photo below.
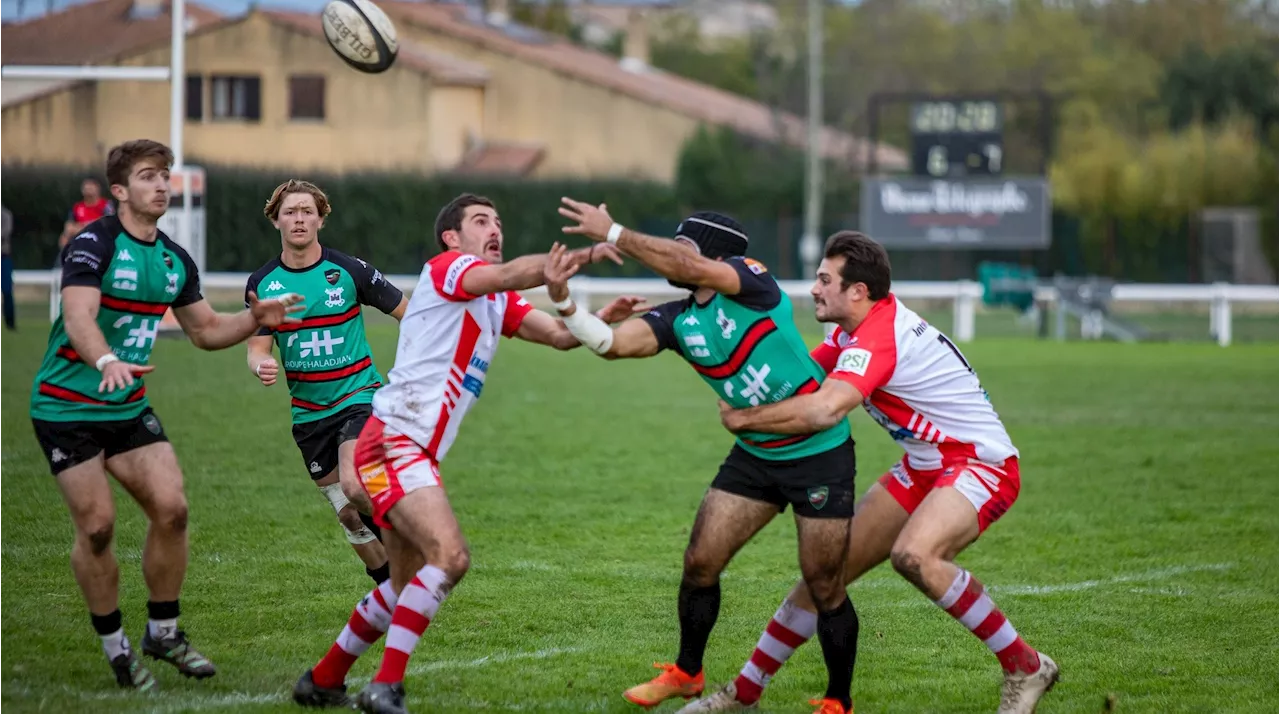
(1141, 554)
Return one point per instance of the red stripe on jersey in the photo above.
(329, 375)
(321, 321)
(753, 337)
(461, 356)
(313, 407)
(68, 353)
(137, 307)
(67, 395)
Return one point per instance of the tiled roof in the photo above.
(501, 159)
(650, 85)
(92, 33)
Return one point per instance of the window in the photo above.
(306, 97)
(195, 98)
(235, 97)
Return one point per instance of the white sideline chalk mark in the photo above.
(1160, 574)
(156, 703)
(499, 658)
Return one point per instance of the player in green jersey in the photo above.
(328, 364)
(89, 406)
(736, 330)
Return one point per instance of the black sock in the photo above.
(838, 633)
(699, 608)
(368, 523)
(380, 573)
(107, 624)
(167, 610)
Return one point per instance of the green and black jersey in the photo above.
(140, 280)
(747, 349)
(327, 361)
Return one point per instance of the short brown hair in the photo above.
(450, 217)
(122, 158)
(865, 261)
(272, 209)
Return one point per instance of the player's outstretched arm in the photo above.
(261, 361)
(665, 257)
(210, 330)
(803, 414)
(540, 328)
(526, 271)
(631, 339)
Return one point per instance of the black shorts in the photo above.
(818, 486)
(319, 440)
(68, 443)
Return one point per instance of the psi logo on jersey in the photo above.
(854, 359)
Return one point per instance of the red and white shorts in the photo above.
(391, 465)
(991, 488)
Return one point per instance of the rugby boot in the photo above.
(382, 698)
(131, 673)
(308, 694)
(178, 652)
(724, 700)
(671, 683)
(829, 706)
(1022, 692)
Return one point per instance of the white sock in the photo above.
(161, 629)
(115, 644)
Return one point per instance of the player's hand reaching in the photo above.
(728, 417)
(622, 308)
(267, 371)
(118, 374)
(598, 253)
(592, 221)
(275, 311)
(560, 266)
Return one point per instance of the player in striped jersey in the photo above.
(328, 364)
(89, 405)
(958, 476)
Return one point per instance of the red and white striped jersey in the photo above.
(447, 341)
(918, 386)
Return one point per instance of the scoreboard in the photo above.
(957, 138)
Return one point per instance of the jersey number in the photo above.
(951, 346)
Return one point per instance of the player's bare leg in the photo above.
(425, 531)
(93, 514)
(877, 520)
(151, 475)
(358, 527)
(725, 522)
(944, 524)
(824, 543)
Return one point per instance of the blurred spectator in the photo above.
(92, 207)
(6, 267)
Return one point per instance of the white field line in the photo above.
(1160, 574)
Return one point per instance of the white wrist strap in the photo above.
(615, 231)
(257, 371)
(563, 305)
(590, 331)
(105, 360)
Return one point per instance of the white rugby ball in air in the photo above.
(361, 33)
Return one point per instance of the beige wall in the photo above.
(455, 115)
(587, 130)
(56, 128)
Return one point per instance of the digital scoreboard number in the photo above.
(957, 138)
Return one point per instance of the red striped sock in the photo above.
(418, 603)
(790, 627)
(368, 622)
(967, 601)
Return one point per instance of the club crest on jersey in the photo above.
(335, 298)
(168, 261)
(332, 276)
(818, 497)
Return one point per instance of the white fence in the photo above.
(965, 295)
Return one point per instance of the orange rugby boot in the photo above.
(671, 683)
(829, 706)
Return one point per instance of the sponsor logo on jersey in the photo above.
(275, 285)
(335, 298)
(479, 364)
(697, 342)
(755, 266)
(332, 276)
(87, 235)
(854, 359)
(124, 254)
(315, 467)
(726, 324)
(172, 287)
(899, 472)
(125, 279)
(690, 321)
(454, 274)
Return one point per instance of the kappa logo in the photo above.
(124, 255)
(275, 285)
(691, 320)
(726, 324)
(335, 298)
(57, 456)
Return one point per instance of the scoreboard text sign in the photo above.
(974, 213)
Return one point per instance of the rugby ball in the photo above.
(361, 33)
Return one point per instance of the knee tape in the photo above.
(339, 501)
